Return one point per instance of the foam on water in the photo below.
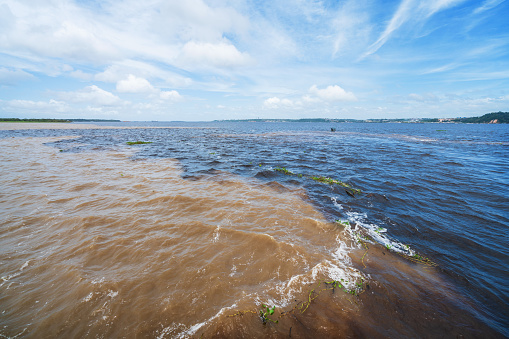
(376, 233)
(179, 330)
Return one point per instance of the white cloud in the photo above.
(315, 96)
(443, 68)
(113, 73)
(38, 30)
(120, 70)
(352, 27)
(38, 107)
(276, 102)
(158, 32)
(170, 95)
(234, 51)
(332, 93)
(200, 55)
(92, 95)
(487, 5)
(401, 16)
(196, 20)
(13, 76)
(432, 7)
(78, 74)
(410, 11)
(134, 84)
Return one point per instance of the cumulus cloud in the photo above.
(332, 93)
(121, 69)
(92, 95)
(224, 50)
(276, 102)
(170, 95)
(134, 84)
(161, 31)
(113, 73)
(40, 31)
(197, 55)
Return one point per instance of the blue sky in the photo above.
(218, 59)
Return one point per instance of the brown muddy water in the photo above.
(96, 244)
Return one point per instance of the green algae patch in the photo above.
(138, 142)
(267, 314)
(283, 170)
(324, 180)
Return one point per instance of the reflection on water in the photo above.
(97, 243)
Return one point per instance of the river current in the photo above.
(255, 230)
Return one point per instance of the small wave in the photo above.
(179, 330)
(378, 234)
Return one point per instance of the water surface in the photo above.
(191, 234)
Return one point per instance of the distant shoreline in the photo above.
(49, 120)
(12, 126)
(47, 125)
(489, 118)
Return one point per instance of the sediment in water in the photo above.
(97, 244)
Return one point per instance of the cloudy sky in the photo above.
(235, 59)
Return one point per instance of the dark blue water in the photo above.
(441, 189)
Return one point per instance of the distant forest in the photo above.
(31, 120)
(55, 120)
(498, 117)
(494, 118)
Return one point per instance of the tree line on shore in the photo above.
(497, 117)
(54, 120)
(494, 118)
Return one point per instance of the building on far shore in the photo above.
(445, 119)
